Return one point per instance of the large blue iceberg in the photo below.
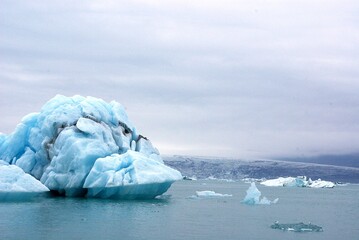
(81, 146)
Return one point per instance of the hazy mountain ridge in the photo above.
(344, 160)
(203, 167)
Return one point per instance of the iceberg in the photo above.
(300, 181)
(15, 184)
(84, 146)
(321, 184)
(209, 194)
(285, 182)
(297, 227)
(253, 197)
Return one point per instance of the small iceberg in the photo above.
(300, 181)
(297, 227)
(209, 194)
(16, 185)
(321, 184)
(253, 197)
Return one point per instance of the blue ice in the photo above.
(15, 184)
(81, 146)
(253, 197)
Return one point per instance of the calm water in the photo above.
(180, 217)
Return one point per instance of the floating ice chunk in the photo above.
(15, 184)
(193, 178)
(297, 182)
(249, 180)
(253, 197)
(297, 227)
(321, 184)
(285, 182)
(129, 175)
(210, 194)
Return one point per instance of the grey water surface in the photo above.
(177, 215)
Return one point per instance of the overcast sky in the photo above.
(213, 78)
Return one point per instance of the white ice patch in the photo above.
(297, 182)
(209, 194)
(321, 184)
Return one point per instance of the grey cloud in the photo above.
(254, 79)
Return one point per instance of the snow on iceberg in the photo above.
(69, 138)
(297, 182)
(253, 197)
(209, 194)
(15, 184)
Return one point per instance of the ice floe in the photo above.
(297, 227)
(209, 194)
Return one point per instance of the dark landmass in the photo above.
(202, 168)
(346, 160)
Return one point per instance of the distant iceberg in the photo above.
(297, 182)
(297, 227)
(81, 146)
(210, 194)
(15, 184)
(321, 184)
(253, 197)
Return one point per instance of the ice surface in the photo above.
(62, 144)
(253, 197)
(297, 182)
(15, 184)
(321, 184)
(210, 194)
(297, 227)
(284, 182)
(111, 175)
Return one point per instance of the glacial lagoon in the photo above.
(177, 215)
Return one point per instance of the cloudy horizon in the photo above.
(231, 78)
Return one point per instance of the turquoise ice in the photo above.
(17, 185)
(75, 141)
(253, 197)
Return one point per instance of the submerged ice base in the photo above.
(78, 146)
